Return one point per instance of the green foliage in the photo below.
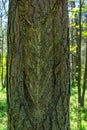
(74, 110)
(72, 25)
(71, 0)
(84, 33)
(75, 10)
(73, 48)
(3, 110)
(84, 9)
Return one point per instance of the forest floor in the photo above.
(73, 110)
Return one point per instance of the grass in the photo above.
(73, 111)
(3, 111)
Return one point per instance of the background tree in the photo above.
(85, 79)
(78, 26)
(3, 44)
(73, 41)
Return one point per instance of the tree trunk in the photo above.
(38, 65)
(72, 44)
(1, 51)
(85, 79)
(79, 65)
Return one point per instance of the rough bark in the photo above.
(38, 65)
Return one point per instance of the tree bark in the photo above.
(72, 44)
(84, 79)
(78, 65)
(1, 51)
(38, 65)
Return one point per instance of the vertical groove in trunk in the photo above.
(38, 65)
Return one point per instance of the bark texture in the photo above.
(38, 65)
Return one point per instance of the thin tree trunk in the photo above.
(84, 80)
(1, 40)
(79, 66)
(73, 44)
(2, 74)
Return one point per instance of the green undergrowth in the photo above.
(74, 110)
(3, 111)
